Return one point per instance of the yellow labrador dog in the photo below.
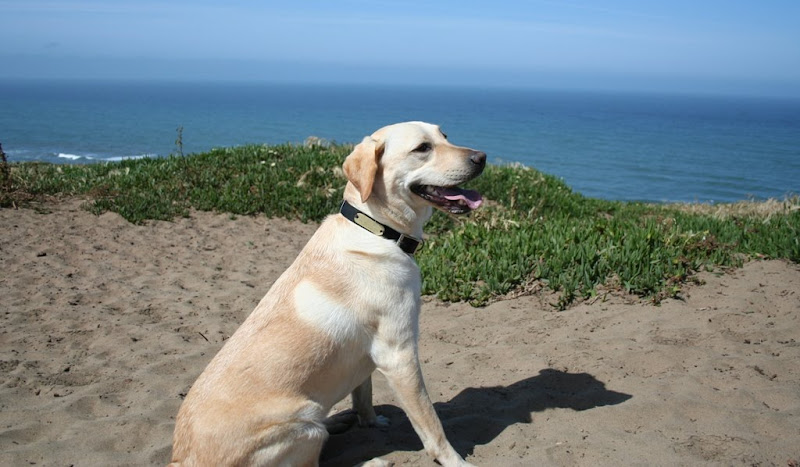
(348, 305)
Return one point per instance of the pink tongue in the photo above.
(471, 197)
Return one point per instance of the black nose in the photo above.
(478, 158)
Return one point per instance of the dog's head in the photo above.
(412, 166)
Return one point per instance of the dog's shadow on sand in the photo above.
(473, 417)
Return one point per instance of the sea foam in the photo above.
(95, 157)
(71, 157)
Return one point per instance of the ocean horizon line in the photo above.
(533, 88)
(625, 146)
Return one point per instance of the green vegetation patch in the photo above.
(533, 227)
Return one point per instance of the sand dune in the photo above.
(105, 325)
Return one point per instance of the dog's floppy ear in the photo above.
(361, 166)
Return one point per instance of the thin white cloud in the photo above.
(601, 9)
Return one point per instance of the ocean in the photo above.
(620, 146)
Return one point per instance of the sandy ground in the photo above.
(105, 325)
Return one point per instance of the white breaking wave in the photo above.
(93, 157)
(71, 157)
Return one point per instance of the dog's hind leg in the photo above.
(300, 444)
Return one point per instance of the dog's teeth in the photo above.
(429, 189)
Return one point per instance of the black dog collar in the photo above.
(406, 243)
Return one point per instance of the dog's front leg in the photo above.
(362, 404)
(402, 370)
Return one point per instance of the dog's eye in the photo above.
(424, 147)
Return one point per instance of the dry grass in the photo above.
(748, 209)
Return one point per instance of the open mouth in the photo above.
(450, 199)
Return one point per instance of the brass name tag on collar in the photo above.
(368, 224)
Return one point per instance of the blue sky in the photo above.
(697, 46)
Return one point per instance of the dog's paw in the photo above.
(377, 462)
(459, 464)
(454, 461)
(341, 422)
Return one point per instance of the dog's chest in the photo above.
(367, 298)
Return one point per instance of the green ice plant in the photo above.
(532, 229)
